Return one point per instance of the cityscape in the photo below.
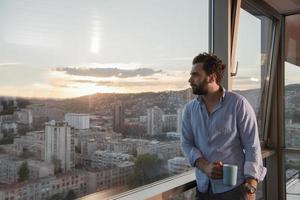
(64, 149)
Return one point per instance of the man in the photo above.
(219, 127)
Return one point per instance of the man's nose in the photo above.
(190, 80)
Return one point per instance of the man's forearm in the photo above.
(251, 181)
(212, 170)
(201, 164)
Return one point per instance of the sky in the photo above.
(63, 49)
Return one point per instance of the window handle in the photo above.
(236, 70)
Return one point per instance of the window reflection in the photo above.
(252, 61)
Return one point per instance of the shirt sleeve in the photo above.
(247, 127)
(187, 139)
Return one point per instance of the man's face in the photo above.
(199, 80)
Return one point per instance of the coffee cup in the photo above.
(230, 174)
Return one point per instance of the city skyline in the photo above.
(111, 47)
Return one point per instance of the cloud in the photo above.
(109, 72)
(83, 81)
(123, 84)
(9, 64)
(118, 83)
(66, 86)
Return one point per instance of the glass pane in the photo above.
(292, 169)
(260, 193)
(252, 55)
(91, 93)
(187, 195)
(292, 82)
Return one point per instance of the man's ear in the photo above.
(212, 78)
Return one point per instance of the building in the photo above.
(179, 119)
(178, 165)
(78, 121)
(163, 150)
(33, 142)
(8, 124)
(173, 135)
(89, 147)
(38, 169)
(257, 40)
(169, 123)
(45, 188)
(143, 121)
(9, 167)
(100, 159)
(154, 121)
(59, 144)
(84, 151)
(293, 135)
(126, 145)
(24, 116)
(112, 177)
(118, 117)
(88, 135)
(42, 111)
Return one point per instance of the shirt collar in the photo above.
(199, 97)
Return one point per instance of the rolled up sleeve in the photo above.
(247, 127)
(187, 139)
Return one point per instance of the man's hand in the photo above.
(214, 170)
(252, 182)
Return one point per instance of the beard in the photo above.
(201, 89)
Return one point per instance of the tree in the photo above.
(22, 103)
(7, 139)
(57, 165)
(23, 172)
(71, 195)
(26, 154)
(58, 196)
(2, 150)
(148, 168)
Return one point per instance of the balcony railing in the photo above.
(160, 190)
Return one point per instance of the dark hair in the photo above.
(211, 64)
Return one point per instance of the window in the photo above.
(112, 76)
(292, 176)
(292, 105)
(292, 81)
(251, 71)
(252, 66)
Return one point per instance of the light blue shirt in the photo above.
(229, 134)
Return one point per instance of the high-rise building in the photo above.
(78, 121)
(118, 117)
(59, 144)
(100, 159)
(155, 123)
(47, 187)
(24, 116)
(169, 122)
(9, 169)
(179, 119)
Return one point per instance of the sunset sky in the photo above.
(72, 48)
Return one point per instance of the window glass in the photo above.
(252, 65)
(94, 90)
